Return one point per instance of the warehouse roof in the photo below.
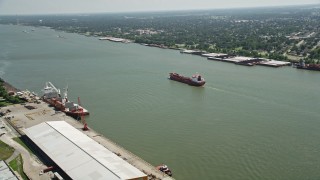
(5, 172)
(78, 155)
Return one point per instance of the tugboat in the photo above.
(195, 80)
(164, 168)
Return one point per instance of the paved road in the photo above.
(24, 118)
(31, 165)
(13, 156)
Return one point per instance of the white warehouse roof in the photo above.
(78, 155)
(6, 173)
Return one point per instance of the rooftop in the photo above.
(78, 155)
(5, 172)
(214, 54)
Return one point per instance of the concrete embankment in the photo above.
(20, 117)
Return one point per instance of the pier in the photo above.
(21, 117)
(248, 61)
(113, 39)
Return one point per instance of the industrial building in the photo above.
(77, 155)
(6, 172)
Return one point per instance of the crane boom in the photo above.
(50, 85)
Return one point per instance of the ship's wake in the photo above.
(260, 100)
(257, 99)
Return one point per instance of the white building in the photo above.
(77, 155)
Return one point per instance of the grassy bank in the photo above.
(7, 99)
(18, 140)
(5, 151)
(17, 165)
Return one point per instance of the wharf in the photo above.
(273, 63)
(113, 39)
(21, 117)
(247, 61)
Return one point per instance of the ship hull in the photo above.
(185, 80)
(60, 107)
(76, 114)
(52, 97)
(309, 68)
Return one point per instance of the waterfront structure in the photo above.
(6, 172)
(248, 61)
(187, 51)
(273, 63)
(53, 97)
(77, 155)
(302, 65)
(26, 118)
(217, 55)
(113, 39)
(238, 59)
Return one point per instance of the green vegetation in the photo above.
(17, 165)
(280, 32)
(7, 99)
(5, 151)
(315, 54)
(4, 103)
(18, 140)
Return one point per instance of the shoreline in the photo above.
(182, 50)
(8, 87)
(19, 117)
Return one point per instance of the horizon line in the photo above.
(161, 11)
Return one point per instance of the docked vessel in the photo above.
(53, 97)
(195, 80)
(164, 168)
(313, 67)
(303, 65)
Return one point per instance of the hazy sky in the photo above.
(87, 6)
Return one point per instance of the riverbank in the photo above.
(264, 60)
(238, 60)
(20, 117)
(200, 133)
(8, 87)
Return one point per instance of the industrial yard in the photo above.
(25, 121)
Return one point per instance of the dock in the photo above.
(21, 117)
(113, 39)
(248, 61)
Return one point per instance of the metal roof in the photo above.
(5, 172)
(78, 155)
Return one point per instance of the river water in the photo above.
(245, 123)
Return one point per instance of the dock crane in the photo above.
(50, 87)
(83, 120)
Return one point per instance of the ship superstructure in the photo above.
(195, 80)
(52, 96)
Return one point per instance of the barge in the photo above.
(312, 67)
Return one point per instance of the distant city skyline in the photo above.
(13, 7)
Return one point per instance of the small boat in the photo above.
(195, 80)
(164, 168)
